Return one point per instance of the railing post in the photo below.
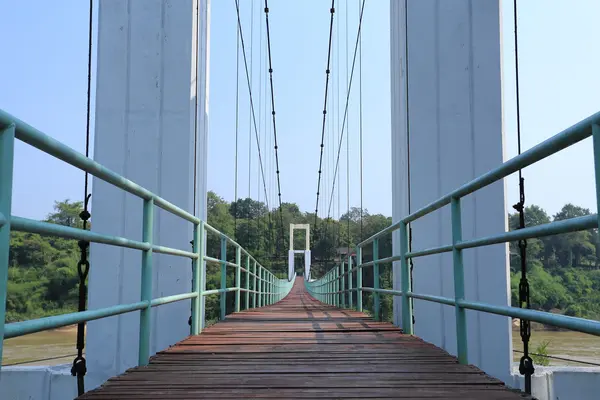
(459, 283)
(247, 282)
(596, 139)
(260, 285)
(350, 275)
(196, 272)
(146, 292)
(238, 277)
(254, 287)
(267, 287)
(407, 316)
(327, 287)
(336, 295)
(272, 295)
(7, 143)
(376, 297)
(223, 295)
(342, 286)
(331, 287)
(272, 289)
(359, 292)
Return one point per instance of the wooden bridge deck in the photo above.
(301, 348)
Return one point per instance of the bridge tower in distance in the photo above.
(306, 251)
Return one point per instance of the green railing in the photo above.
(331, 288)
(266, 288)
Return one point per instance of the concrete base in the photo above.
(38, 383)
(552, 383)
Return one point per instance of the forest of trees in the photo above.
(564, 270)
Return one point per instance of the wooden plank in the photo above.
(301, 348)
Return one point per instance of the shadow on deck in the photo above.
(301, 348)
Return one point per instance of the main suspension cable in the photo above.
(360, 130)
(327, 75)
(237, 124)
(526, 367)
(239, 23)
(347, 150)
(248, 238)
(276, 147)
(79, 367)
(347, 101)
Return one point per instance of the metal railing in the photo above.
(266, 288)
(331, 287)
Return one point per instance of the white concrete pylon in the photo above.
(447, 117)
(151, 127)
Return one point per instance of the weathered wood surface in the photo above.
(301, 348)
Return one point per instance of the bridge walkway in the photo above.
(302, 348)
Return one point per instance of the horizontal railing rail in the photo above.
(331, 288)
(264, 286)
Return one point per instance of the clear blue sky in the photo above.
(43, 81)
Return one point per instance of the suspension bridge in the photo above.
(300, 336)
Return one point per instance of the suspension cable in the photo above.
(261, 129)
(276, 147)
(347, 149)
(79, 367)
(347, 99)
(526, 367)
(327, 75)
(239, 23)
(250, 118)
(360, 113)
(408, 175)
(339, 197)
(237, 125)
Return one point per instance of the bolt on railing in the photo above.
(268, 290)
(325, 287)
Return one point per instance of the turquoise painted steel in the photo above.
(146, 290)
(342, 285)
(376, 295)
(561, 321)
(435, 299)
(223, 294)
(12, 128)
(407, 316)
(260, 287)
(46, 228)
(254, 287)
(359, 293)
(17, 329)
(7, 141)
(196, 272)
(201, 275)
(459, 282)
(350, 277)
(596, 139)
(552, 228)
(564, 139)
(581, 130)
(172, 299)
(238, 278)
(247, 303)
(335, 281)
